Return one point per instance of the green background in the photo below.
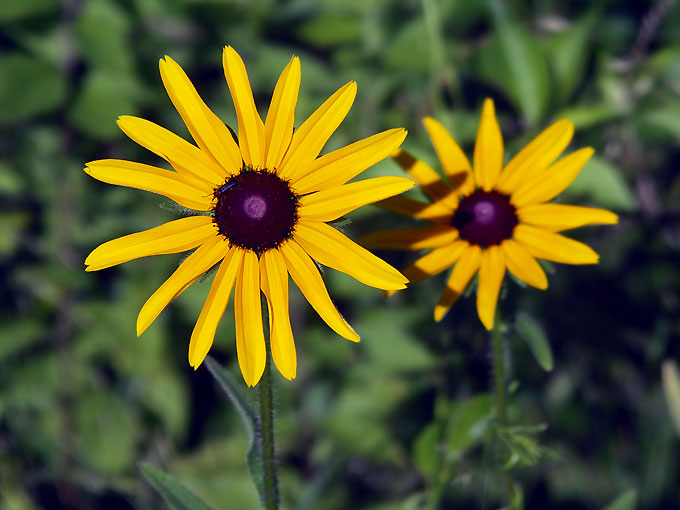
(82, 400)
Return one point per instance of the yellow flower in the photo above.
(267, 197)
(488, 217)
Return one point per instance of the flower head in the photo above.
(489, 217)
(264, 202)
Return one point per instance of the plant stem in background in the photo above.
(499, 381)
(270, 477)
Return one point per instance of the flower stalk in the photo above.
(270, 477)
(500, 404)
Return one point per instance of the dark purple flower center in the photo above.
(255, 210)
(485, 218)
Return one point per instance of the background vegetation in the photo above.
(372, 425)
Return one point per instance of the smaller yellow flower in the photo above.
(488, 218)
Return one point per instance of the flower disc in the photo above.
(485, 218)
(255, 210)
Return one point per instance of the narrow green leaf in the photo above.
(664, 120)
(249, 418)
(173, 492)
(532, 333)
(626, 501)
(239, 399)
(671, 388)
(425, 452)
(528, 78)
(17, 11)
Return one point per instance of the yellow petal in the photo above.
(550, 246)
(436, 213)
(333, 249)
(550, 183)
(428, 180)
(433, 263)
(250, 346)
(456, 165)
(491, 272)
(535, 157)
(488, 157)
(209, 132)
(205, 257)
(172, 237)
(150, 178)
(338, 167)
(278, 129)
(523, 265)
(274, 276)
(419, 238)
(556, 217)
(312, 135)
(183, 156)
(461, 275)
(250, 127)
(204, 332)
(330, 204)
(306, 276)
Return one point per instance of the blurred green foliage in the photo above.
(373, 425)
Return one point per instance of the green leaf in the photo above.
(605, 185)
(251, 422)
(626, 501)
(28, 87)
(567, 55)
(523, 69)
(425, 454)
(331, 29)
(17, 10)
(671, 388)
(532, 333)
(104, 97)
(173, 492)
(666, 121)
(590, 116)
(468, 422)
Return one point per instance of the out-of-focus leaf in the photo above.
(408, 50)
(11, 10)
(664, 120)
(604, 184)
(626, 501)
(101, 35)
(425, 452)
(532, 333)
(105, 431)
(468, 422)
(10, 180)
(104, 97)
(523, 70)
(331, 29)
(567, 55)
(17, 335)
(28, 87)
(11, 225)
(590, 116)
(671, 388)
(173, 492)
(524, 449)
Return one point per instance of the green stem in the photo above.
(266, 436)
(501, 414)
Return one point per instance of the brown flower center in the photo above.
(485, 218)
(255, 210)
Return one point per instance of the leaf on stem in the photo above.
(173, 492)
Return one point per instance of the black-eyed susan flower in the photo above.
(264, 201)
(490, 217)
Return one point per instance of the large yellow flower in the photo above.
(489, 217)
(265, 198)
